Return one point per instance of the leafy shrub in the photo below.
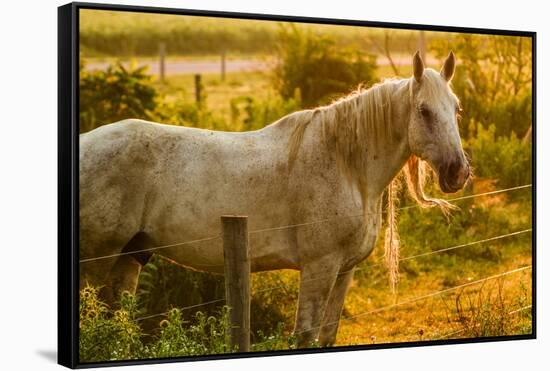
(493, 80)
(273, 304)
(119, 93)
(118, 335)
(105, 335)
(114, 94)
(273, 340)
(312, 67)
(184, 113)
(254, 114)
(163, 285)
(207, 335)
(506, 158)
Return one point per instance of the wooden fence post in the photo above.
(237, 279)
(223, 66)
(198, 87)
(162, 56)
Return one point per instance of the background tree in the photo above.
(312, 67)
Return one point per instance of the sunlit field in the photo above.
(465, 276)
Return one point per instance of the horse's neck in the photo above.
(391, 155)
(385, 154)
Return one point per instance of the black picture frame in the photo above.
(68, 187)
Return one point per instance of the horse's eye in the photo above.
(425, 112)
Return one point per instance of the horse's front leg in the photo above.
(329, 329)
(316, 282)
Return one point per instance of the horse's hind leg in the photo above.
(316, 281)
(330, 323)
(125, 272)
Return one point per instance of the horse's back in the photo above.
(150, 176)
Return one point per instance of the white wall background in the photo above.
(28, 168)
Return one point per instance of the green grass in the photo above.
(218, 93)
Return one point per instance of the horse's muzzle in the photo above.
(453, 175)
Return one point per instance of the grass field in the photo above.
(218, 93)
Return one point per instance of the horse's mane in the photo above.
(357, 124)
(351, 125)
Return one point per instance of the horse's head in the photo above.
(433, 128)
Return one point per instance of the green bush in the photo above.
(507, 159)
(117, 335)
(184, 113)
(163, 285)
(118, 93)
(248, 113)
(312, 67)
(107, 335)
(273, 304)
(207, 335)
(493, 80)
(114, 94)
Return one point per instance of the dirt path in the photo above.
(177, 67)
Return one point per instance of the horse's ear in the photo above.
(418, 66)
(448, 69)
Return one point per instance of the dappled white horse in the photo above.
(144, 184)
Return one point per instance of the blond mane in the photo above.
(357, 124)
(351, 125)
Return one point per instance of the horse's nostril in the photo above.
(454, 168)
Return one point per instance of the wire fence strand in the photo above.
(495, 238)
(490, 193)
(150, 249)
(182, 308)
(279, 287)
(156, 248)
